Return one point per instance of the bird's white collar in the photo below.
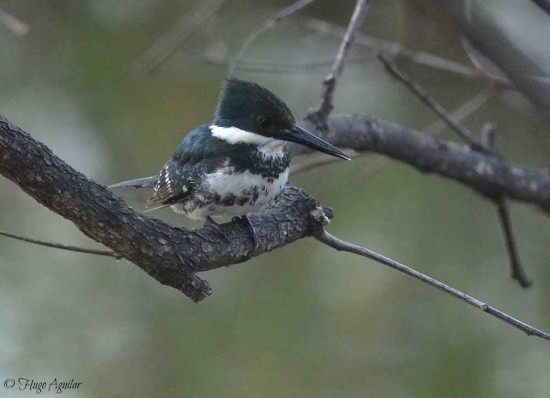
(268, 146)
(234, 135)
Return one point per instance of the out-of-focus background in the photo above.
(303, 321)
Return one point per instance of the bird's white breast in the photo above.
(227, 183)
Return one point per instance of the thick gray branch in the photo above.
(170, 255)
(488, 174)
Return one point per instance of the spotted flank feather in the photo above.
(170, 187)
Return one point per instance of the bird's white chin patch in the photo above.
(273, 148)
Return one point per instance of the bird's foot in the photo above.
(253, 234)
(213, 224)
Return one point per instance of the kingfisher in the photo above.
(235, 166)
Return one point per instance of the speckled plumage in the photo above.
(208, 176)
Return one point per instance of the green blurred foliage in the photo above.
(302, 321)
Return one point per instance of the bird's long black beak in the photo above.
(301, 136)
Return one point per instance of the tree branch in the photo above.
(341, 245)
(488, 174)
(431, 103)
(463, 111)
(319, 114)
(516, 269)
(173, 255)
(169, 254)
(61, 245)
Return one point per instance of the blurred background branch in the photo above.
(513, 45)
(16, 27)
(268, 24)
(165, 46)
(400, 53)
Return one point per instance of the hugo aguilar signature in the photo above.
(54, 385)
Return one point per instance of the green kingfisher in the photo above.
(235, 166)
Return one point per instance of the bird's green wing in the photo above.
(196, 156)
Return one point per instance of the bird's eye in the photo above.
(264, 122)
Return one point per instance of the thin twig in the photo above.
(427, 99)
(17, 27)
(460, 113)
(516, 269)
(268, 24)
(463, 111)
(161, 49)
(319, 114)
(261, 66)
(61, 245)
(312, 161)
(398, 52)
(341, 245)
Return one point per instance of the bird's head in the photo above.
(251, 108)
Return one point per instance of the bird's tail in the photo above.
(147, 182)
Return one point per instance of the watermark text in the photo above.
(38, 386)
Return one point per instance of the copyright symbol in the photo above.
(9, 383)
